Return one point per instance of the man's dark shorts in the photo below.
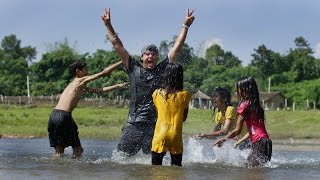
(136, 136)
(62, 129)
(261, 153)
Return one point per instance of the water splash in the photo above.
(202, 151)
(139, 158)
(197, 151)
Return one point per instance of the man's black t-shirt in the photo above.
(142, 84)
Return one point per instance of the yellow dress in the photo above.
(168, 132)
(231, 114)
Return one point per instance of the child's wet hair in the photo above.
(224, 94)
(247, 90)
(173, 78)
(76, 64)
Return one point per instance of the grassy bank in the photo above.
(106, 123)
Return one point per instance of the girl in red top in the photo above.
(251, 112)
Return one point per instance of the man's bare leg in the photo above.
(59, 151)
(77, 151)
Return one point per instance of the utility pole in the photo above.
(269, 86)
(28, 89)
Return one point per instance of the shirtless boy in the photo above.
(63, 131)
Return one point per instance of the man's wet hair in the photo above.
(150, 47)
(76, 64)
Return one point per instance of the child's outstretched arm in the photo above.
(220, 132)
(85, 80)
(233, 133)
(210, 135)
(245, 137)
(108, 89)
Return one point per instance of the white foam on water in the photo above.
(229, 155)
(293, 160)
(139, 158)
(196, 151)
(203, 151)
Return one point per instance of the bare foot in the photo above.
(58, 155)
(59, 151)
(77, 152)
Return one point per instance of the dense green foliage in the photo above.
(107, 122)
(295, 74)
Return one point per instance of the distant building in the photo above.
(268, 101)
(272, 100)
(200, 100)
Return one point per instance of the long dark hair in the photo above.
(172, 79)
(224, 94)
(247, 90)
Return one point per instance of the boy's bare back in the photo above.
(71, 95)
(73, 92)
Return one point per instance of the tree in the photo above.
(185, 55)
(101, 59)
(50, 75)
(302, 62)
(194, 74)
(163, 49)
(231, 60)
(217, 56)
(13, 50)
(14, 66)
(268, 62)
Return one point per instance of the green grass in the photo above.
(298, 124)
(106, 123)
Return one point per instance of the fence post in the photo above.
(293, 106)
(51, 99)
(285, 102)
(100, 102)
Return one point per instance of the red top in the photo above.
(255, 126)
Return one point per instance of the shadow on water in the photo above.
(33, 159)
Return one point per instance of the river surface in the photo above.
(33, 159)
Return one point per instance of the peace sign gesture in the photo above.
(106, 16)
(189, 18)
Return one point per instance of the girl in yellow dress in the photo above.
(226, 117)
(171, 103)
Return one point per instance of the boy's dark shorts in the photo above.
(62, 129)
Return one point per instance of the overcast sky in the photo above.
(238, 26)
